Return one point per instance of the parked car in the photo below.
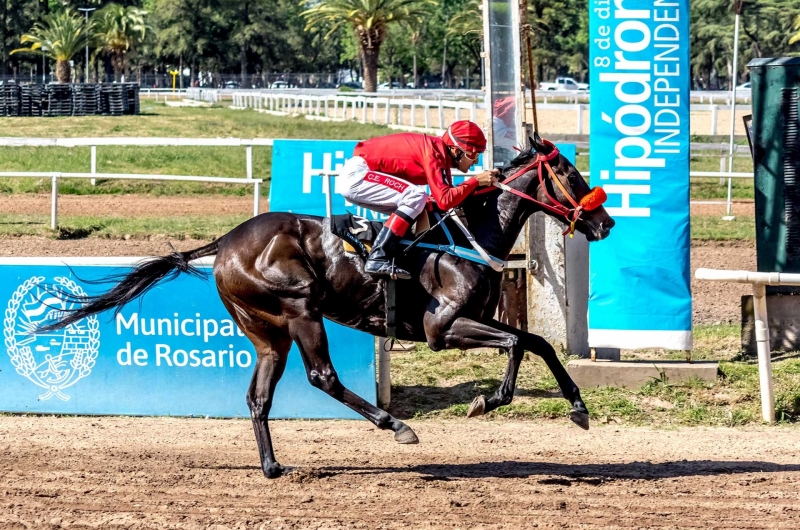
(744, 86)
(351, 84)
(385, 86)
(564, 83)
(233, 84)
(279, 84)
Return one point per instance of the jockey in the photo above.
(387, 174)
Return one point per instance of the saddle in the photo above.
(449, 235)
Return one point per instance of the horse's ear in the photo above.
(536, 142)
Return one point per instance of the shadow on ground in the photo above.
(567, 474)
(411, 400)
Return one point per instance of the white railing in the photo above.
(759, 281)
(55, 176)
(392, 108)
(358, 106)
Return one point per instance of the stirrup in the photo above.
(393, 272)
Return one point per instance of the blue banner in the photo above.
(297, 186)
(176, 353)
(640, 81)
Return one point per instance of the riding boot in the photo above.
(381, 259)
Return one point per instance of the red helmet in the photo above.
(466, 136)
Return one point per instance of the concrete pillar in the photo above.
(558, 286)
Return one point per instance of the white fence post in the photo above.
(256, 198)
(722, 169)
(713, 120)
(94, 163)
(579, 108)
(763, 349)
(363, 109)
(54, 202)
(413, 111)
(249, 161)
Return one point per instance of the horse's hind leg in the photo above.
(272, 349)
(311, 339)
(272, 346)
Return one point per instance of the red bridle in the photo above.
(593, 199)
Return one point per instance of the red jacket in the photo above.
(419, 159)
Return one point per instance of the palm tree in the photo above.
(369, 19)
(468, 21)
(59, 36)
(120, 30)
(796, 36)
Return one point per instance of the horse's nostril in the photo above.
(609, 224)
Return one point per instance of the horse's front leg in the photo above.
(538, 346)
(465, 334)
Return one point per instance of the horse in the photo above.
(278, 275)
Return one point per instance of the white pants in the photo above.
(381, 192)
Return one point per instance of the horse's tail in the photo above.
(134, 284)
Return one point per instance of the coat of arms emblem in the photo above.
(53, 360)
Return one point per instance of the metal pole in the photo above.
(734, 78)
(54, 202)
(384, 373)
(763, 348)
(86, 10)
(329, 197)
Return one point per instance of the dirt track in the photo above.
(194, 473)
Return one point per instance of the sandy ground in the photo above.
(194, 473)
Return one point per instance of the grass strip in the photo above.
(78, 227)
(713, 228)
(442, 384)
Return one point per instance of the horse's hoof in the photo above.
(275, 470)
(477, 408)
(405, 435)
(581, 419)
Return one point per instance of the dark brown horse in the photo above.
(279, 274)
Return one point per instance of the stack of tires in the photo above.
(31, 100)
(115, 99)
(9, 100)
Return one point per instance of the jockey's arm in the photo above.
(444, 193)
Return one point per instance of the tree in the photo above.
(370, 20)
(60, 37)
(119, 30)
(796, 37)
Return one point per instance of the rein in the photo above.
(593, 199)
